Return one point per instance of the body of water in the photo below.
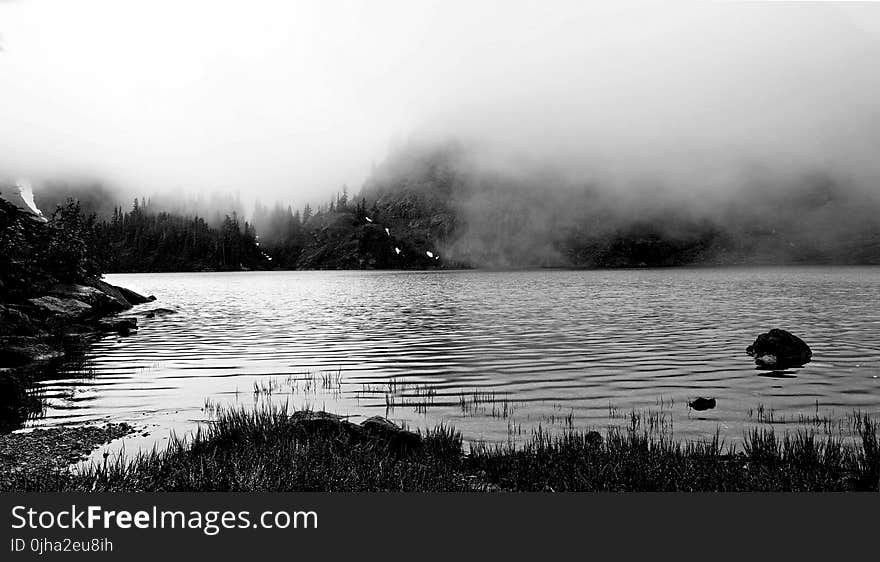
(496, 354)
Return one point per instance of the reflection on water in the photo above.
(493, 353)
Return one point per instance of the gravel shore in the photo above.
(31, 453)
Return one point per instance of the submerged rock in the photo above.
(701, 404)
(157, 312)
(121, 326)
(779, 349)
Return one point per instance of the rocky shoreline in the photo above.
(43, 328)
(41, 332)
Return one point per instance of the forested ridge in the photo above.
(433, 206)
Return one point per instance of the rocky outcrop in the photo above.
(779, 349)
(135, 298)
(100, 301)
(44, 328)
(38, 332)
(123, 295)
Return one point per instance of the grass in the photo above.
(264, 449)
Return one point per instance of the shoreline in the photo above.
(515, 269)
(270, 449)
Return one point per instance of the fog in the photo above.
(289, 101)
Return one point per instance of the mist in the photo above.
(289, 102)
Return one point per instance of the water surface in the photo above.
(494, 353)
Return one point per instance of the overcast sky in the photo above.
(296, 98)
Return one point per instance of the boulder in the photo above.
(779, 349)
(388, 432)
(100, 301)
(310, 423)
(60, 311)
(377, 431)
(702, 404)
(594, 439)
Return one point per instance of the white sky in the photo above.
(293, 99)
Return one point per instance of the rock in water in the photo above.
(778, 349)
(157, 312)
(701, 404)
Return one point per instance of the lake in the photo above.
(496, 354)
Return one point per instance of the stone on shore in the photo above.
(374, 431)
(779, 349)
(387, 431)
(57, 312)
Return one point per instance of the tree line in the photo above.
(142, 240)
